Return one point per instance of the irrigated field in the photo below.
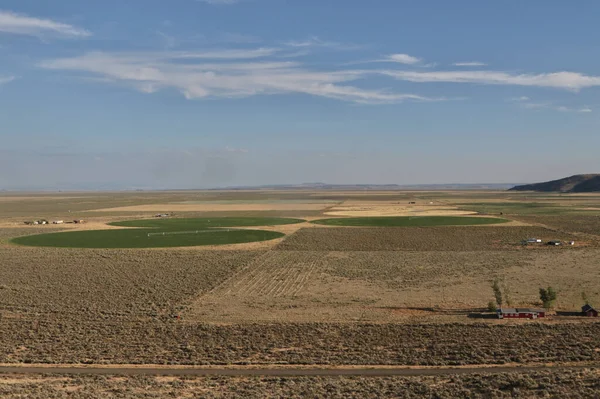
(394, 294)
(145, 238)
(182, 224)
(157, 233)
(410, 221)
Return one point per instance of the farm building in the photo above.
(520, 313)
(589, 311)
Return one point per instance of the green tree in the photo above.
(548, 297)
(497, 292)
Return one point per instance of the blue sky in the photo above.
(194, 94)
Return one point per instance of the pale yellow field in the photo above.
(210, 207)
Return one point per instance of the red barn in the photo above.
(589, 311)
(520, 313)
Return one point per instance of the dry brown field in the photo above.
(320, 295)
(447, 238)
(543, 384)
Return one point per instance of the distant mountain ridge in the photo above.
(375, 187)
(573, 184)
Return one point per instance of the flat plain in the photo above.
(318, 294)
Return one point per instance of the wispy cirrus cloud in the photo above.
(20, 24)
(402, 59)
(560, 108)
(527, 103)
(6, 79)
(396, 58)
(315, 41)
(470, 64)
(229, 73)
(573, 81)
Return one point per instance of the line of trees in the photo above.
(502, 296)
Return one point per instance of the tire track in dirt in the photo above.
(274, 274)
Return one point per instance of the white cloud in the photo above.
(231, 78)
(6, 79)
(24, 25)
(403, 59)
(550, 106)
(470, 64)
(236, 150)
(315, 41)
(561, 80)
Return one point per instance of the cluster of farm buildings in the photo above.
(534, 241)
(529, 313)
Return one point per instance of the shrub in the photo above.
(548, 297)
(497, 292)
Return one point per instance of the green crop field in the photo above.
(144, 238)
(527, 208)
(160, 233)
(173, 224)
(410, 221)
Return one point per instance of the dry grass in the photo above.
(471, 238)
(388, 295)
(559, 384)
(75, 283)
(152, 341)
(393, 208)
(210, 207)
(390, 286)
(572, 223)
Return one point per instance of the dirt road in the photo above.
(368, 371)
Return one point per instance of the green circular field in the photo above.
(205, 223)
(161, 233)
(409, 221)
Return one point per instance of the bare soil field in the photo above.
(393, 208)
(474, 238)
(540, 384)
(212, 207)
(392, 286)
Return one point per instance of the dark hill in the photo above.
(573, 184)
